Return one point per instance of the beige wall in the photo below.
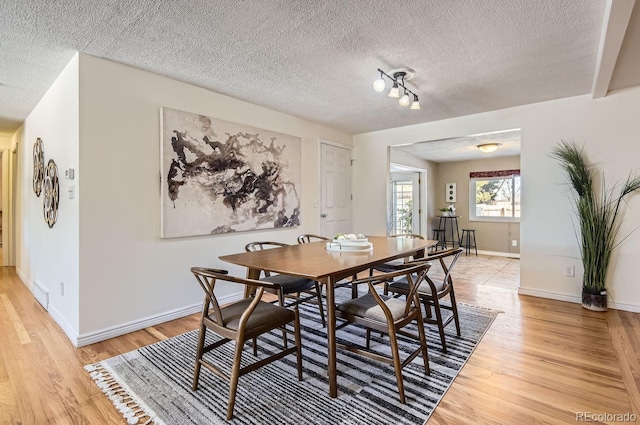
(610, 128)
(490, 236)
(5, 141)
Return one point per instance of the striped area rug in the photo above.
(152, 385)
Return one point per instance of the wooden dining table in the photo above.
(316, 262)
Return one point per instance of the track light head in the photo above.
(404, 100)
(379, 84)
(394, 92)
(415, 104)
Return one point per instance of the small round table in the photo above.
(450, 222)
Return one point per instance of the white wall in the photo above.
(50, 255)
(127, 273)
(611, 129)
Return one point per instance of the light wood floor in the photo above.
(541, 362)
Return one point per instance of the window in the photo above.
(494, 195)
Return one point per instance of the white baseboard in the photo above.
(499, 254)
(549, 295)
(576, 299)
(103, 334)
(23, 278)
(37, 290)
(71, 333)
(125, 328)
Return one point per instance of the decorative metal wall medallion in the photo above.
(51, 188)
(38, 166)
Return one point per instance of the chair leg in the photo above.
(199, 350)
(397, 364)
(255, 346)
(454, 310)
(368, 345)
(438, 310)
(233, 381)
(427, 308)
(298, 343)
(319, 294)
(423, 344)
(284, 332)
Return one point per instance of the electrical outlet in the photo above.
(570, 271)
(514, 242)
(62, 289)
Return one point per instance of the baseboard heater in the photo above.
(41, 294)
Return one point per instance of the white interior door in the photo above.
(335, 193)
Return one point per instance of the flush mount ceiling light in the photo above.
(488, 147)
(398, 77)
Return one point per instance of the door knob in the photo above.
(323, 215)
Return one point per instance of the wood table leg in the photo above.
(331, 338)
(255, 275)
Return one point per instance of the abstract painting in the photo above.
(221, 177)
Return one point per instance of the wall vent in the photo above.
(41, 294)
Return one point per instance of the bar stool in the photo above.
(469, 243)
(439, 235)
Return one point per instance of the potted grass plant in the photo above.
(599, 210)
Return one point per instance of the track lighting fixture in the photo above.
(398, 77)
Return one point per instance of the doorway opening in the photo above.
(405, 203)
(406, 200)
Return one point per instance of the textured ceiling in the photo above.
(318, 59)
(465, 148)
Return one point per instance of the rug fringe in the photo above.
(132, 409)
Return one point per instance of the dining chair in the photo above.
(389, 315)
(393, 264)
(292, 286)
(432, 289)
(238, 322)
(308, 237)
